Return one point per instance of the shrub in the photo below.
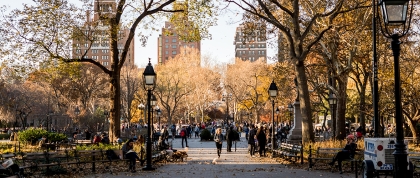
(205, 135)
(4, 136)
(33, 135)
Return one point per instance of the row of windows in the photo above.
(175, 46)
(250, 39)
(167, 52)
(249, 58)
(251, 46)
(173, 40)
(253, 33)
(250, 52)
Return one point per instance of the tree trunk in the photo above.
(305, 105)
(412, 124)
(115, 114)
(341, 107)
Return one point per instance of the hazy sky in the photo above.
(220, 47)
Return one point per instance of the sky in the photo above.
(220, 48)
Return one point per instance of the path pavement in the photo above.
(202, 162)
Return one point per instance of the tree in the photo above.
(45, 31)
(296, 21)
(248, 82)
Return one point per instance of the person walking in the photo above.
(251, 140)
(262, 140)
(184, 136)
(197, 130)
(229, 139)
(218, 139)
(173, 130)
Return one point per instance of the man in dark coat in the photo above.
(251, 140)
(229, 138)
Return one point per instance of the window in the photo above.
(192, 46)
(173, 52)
(105, 63)
(173, 46)
(105, 57)
(77, 51)
(95, 58)
(166, 46)
(262, 52)
(166, 40)
(173, 40)
(86, 45)
(105, 51)
(166, 52)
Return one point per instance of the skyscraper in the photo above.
(99, 49)
(170, 45)
(250, 42)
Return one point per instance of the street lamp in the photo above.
(394, 14)
(290, 108)
(332, 100)
(272, 91)
(226, 98)
(149, 80)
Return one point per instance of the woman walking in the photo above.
(218, 138)
(262, 139)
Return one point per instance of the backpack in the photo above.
(173, 129)
(216, 138)
(182, 133)
(110, 154)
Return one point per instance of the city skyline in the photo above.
(219, 48)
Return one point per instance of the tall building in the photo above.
(169, 44)
(250, 42)
(99, 50)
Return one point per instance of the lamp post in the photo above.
(149, 80)
(226, 98)
(158, 112)
(278, 112)
(153, 104)
(76, 111)
(394, 14)
(141, 108)
(272, 91)
(106, 114)
(290, 108)
(332, 100)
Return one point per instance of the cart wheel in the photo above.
(368, 169)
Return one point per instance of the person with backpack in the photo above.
(183, 135)
(218, 139)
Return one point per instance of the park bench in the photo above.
(326, 155)
(291, 152)
(414, 157)
(83, 142)
(74, 160)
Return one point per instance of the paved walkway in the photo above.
(202, 161)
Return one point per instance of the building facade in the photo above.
(250, 44)
(99, 50)
(169, 44)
